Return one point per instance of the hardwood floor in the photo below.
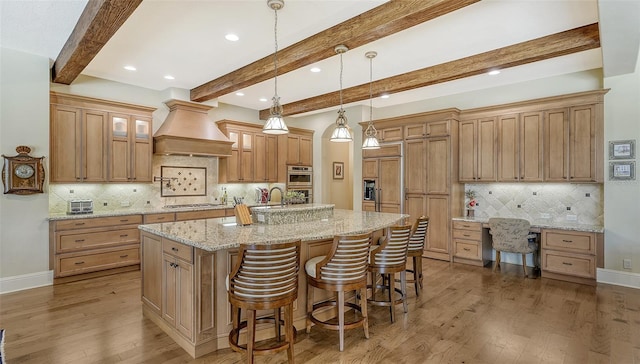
(467, 314)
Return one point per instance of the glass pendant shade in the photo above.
(370, 140)
(275, 124)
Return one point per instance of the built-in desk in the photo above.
(568, 251)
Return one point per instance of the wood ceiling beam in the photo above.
(98, 22)
(555, 45)
(379, 22)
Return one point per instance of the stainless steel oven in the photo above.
(299, 176)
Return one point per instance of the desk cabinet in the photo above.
(471, 243)
(572, 255)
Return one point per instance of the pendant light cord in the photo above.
(371, 90)
(341, 80)
(275, 54)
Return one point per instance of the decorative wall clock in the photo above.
(23, 174)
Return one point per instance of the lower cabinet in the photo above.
(471, 243)
(572, 255)
(178, 292)
(86, 247)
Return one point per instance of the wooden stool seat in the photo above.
(344, 269)
(264, 278)
(415, 251)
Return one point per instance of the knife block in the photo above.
(243, 216)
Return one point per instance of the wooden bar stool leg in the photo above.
(403, 288)
(276, 319)
(365, 314)
(341, 318)
(288, 323)
(497, 265)
(416, 276)
(524, 264)
(251, 334)
(391, 287)
(309, 306)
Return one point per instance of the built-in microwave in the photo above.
(299, 176)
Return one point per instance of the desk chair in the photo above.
(512, 235)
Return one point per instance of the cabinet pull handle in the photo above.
(467, 235)
(124, 235)
(124, 256)
(466, 226)
(567, 241)
(161, 218)
(79, 240)
(79, 223)
(565, 263)
(174, 249)
(80, 262)
(515, 177)
(466, 249)
(124, 220)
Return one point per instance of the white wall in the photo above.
(622, 199)
(24, 120)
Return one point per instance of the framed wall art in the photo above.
(622, 149)
(622, 171)
(338, 170)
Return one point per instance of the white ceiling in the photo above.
(186, 40)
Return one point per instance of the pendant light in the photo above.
(370, 140)
(275, 123)
(341, 133)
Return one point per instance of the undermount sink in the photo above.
(290, 214)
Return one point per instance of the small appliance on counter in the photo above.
(75, 207)
(262, 195)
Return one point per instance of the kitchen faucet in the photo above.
(281, 195)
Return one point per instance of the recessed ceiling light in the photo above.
(129, 68)
(263, 99)
(315, 70)
(384, 96)
(169, 77)
(494, 72)
(239, 94)
(231, 37)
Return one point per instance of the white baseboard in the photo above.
(619, 278)
(26, 281)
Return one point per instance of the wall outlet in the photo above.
(626, 263)
(124, 203)
(572, 217)
(545, 215)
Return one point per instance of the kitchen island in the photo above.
(185, 265)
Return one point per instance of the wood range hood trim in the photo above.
(188, 130)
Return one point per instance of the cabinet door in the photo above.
(170, 289)
(370, 168)
(120, 148)
(531, 147)
(582, 144)
(369, 206)
(246, 166)
(272, 158)
(390, 189)
(142, 150)
(66, 144)
(417, 131)
(467, 151)
(556, 150)
(260, 157)
(390, 134)
(438, 128)
(508, 144)
(233, 161)
(415, 166)
(437, 244)
(293, 149)
(306, 151)
(185, 294)
(152, 272)
(438, 178)
(415, 205)
(486, 150)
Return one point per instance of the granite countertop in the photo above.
(545, 224)
(223, 233)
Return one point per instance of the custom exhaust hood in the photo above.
(187, 130)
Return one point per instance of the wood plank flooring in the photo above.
(467, 314)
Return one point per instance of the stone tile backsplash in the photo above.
(137, 196)
(536, 201)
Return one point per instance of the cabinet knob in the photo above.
(174, 249)
(124, 235)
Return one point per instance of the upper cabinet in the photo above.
(299, 148)
(240, 166)
(96, 140)
(556, 139)
(477, 150)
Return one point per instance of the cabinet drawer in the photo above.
(464, 225)
(570, 264)
(467, 249)
(178, 250)
(574, 242)
(156, 218)
(78, 264)
(196, 215)
(467, 234)
(101, 239)
(98, 222)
